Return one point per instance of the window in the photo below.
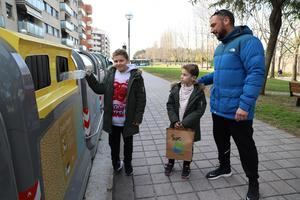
(39, 69)
(61, 66)
(56, 32)
(9, 10)
(48, 9)
(50, 29)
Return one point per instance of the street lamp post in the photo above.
(129, 16)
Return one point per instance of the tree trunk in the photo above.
(294, 77)
(275, 22)
(273, 67)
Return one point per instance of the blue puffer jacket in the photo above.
(239, 73)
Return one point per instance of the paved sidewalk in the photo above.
(279, 155)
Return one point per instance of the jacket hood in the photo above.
(237, 31)
(130, 67)
(178, 84)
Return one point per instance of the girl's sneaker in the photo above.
(185, 174)
(168, 169)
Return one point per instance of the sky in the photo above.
(150, 19)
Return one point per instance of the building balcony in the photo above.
(81, 12)
(31, 29)
(35, 4)
(82, 48)
(90, 42)
(88, 28)
(87, 20)
(82, 36)
(96, 49)
(67, 25)
(89, 37)
(88, 9)
(65, 7)
(68, 42)
(82, 24)
(95, 37)
(2, 22)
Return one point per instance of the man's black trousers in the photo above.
(242, 134)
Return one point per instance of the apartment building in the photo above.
(100, 42)
(69, 22)
(8, 15)
(53, 20)
(86, 40)
(82, 13)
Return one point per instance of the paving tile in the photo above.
(219, 183)
(275, 198)
(149, 148)
(209, 194)
(170, 197)
(163, 189)
(142, 180)
(182, 187)
(292, 196)
(144, 191)
(154, 161)
(228, 194)
(188, 196)
(282, 187)
(139, 154)
(141, 170)
(295, 184)
(201, 184)
(139, 162)
(235, 180)
(295, 171)
(159, 178)
(268, 176)
(266, 190)
(284, 174)
(203, 164)
(241, 190)
(156, 169)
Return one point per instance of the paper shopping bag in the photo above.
(180, 144)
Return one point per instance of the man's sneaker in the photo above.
(219, 172)
(128, 169)
(253, 191)
(185, 174)
(168, 169)
(119, 166)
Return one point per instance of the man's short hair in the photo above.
(225, 13)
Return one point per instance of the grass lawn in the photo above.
(277, 85)
(280, 111)
(170, 73)
(277, 110)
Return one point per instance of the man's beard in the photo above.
(221, 34)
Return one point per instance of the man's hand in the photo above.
(178, 125)
(241, 115)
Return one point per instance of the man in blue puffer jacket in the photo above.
(237, 81)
